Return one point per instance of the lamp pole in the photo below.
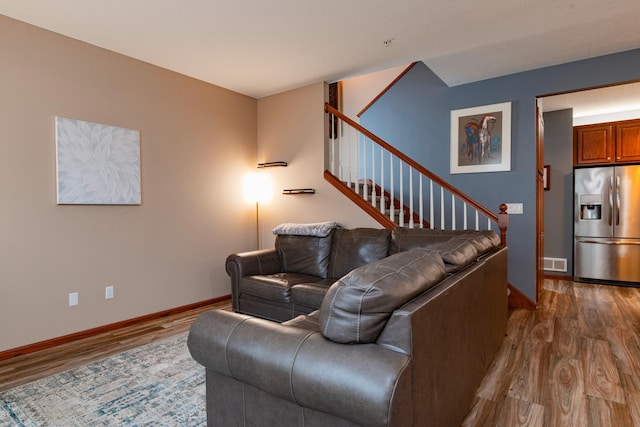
(257, 226)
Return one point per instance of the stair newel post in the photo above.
(503, 223)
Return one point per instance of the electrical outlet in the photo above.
(108, 292)
(73, 299)
(514, 208)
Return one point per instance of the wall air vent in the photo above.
(555, 264)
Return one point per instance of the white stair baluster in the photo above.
(464, 215)
(373, 175)
(365, 191)
(391, 190)
(410, 197)
(382, 203)
(453, 212)
(356, 163)
(441, 208)
(431, 208)
(401, 211)
(421, 201)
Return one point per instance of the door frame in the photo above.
(539, 199)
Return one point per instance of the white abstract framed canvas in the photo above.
(97, 164)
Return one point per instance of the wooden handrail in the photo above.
(415, 165)
(354, 197)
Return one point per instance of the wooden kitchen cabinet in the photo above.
(593, 144)
(607, 143)
(628, 142)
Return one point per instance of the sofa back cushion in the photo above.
(403, 239)
(357, 247)
(304, 254)
(357, 307)
(458, 248)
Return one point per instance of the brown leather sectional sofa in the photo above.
(292, 278)
(401, 341)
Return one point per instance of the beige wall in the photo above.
(197, 142)
(291, 128)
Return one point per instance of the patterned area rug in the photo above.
(158, 384)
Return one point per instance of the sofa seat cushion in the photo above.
(357, 307)
(354, 248)
(304, 254)
(310, 294)
(275, 287)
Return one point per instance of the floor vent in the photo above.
(555, 264)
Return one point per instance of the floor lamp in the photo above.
(257, 225)
(257, 189)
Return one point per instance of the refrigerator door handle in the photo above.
(610, 199)
(617, 200)
(609, 242)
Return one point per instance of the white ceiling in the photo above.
(597, 102)
(260, 48)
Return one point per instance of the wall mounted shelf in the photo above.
(299, 191)
(272, 164)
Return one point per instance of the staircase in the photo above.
(397, 191)
(394, 189)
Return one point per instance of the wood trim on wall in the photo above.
(558, 277)
(389, 86)
(519, 300)
(42, 345)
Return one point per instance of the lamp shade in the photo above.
(256, 188)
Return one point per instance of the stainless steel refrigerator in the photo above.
(607, 224)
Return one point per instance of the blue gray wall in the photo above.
(414, 116)
(558, 200)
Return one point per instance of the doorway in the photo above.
(555, 148)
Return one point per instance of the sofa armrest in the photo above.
(264, 261)
(365, 383)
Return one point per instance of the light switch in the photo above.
(514, 208)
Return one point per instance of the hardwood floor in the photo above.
(573, 362)
(23, 369)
